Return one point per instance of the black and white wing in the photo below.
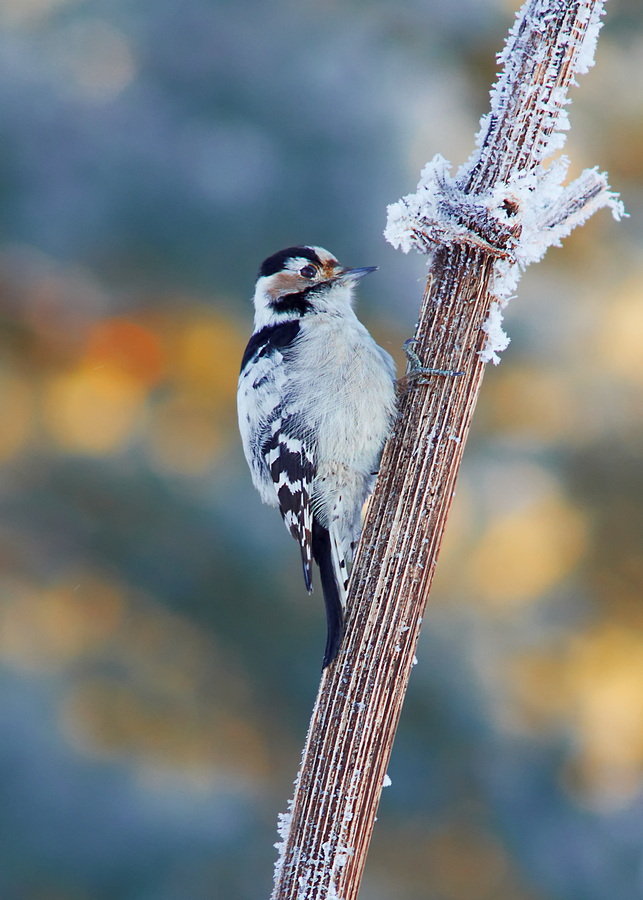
(280, 454)
(290, 459)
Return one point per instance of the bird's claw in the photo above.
(416, 371)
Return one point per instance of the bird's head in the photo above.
(301, 280)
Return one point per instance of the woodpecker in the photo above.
(316, 402)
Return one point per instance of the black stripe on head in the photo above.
(300, 302)
(295, 303)
(277, 262)
(270, 338)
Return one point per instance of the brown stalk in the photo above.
(327, 834)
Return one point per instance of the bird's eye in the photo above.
(308, 272)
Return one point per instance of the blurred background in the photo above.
(159, 656)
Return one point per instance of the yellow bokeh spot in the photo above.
(620, 341)
(606, 683)
(190, 426)
(52, 626)
(590, 686)
(208, 355)
(16, 402)
(531, 402)
(524, 553)
(138, 680)
(465, 864)
(184, 437)
(93, 410)
(108, 717)
(538, 685)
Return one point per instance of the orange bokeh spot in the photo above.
(125, 345)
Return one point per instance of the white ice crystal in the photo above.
(497, 339)
(530, 210)
(283, 827)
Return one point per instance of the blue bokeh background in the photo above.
(158, 655)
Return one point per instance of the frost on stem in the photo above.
(283, 827)
(515, 221)
(504, 200)
(318, 871)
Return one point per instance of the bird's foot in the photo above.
(416, 371)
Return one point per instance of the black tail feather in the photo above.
(334, 610)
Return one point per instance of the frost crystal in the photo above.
(497, 339)
(283, 827)
(514, 215)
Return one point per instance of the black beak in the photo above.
(355, 274)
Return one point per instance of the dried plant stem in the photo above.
(328, 830)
